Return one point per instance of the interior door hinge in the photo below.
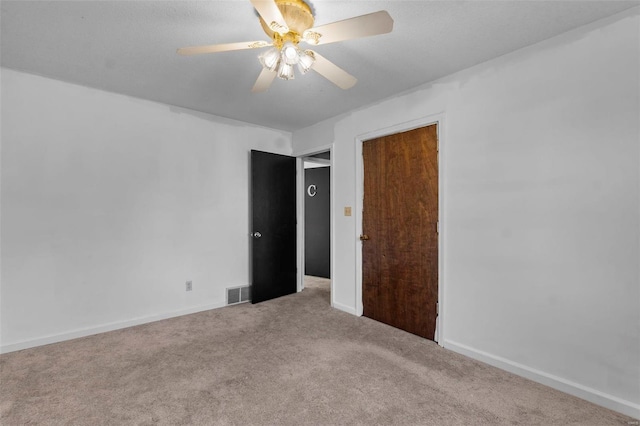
(437, 308)
(437, 227)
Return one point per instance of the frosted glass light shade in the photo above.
(305, 61)
(285, 71)
(270, 59)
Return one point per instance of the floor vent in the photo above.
(237, 295)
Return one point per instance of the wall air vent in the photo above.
(237, 295)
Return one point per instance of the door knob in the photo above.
(256, 235)
(364, 237)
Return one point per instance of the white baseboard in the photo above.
(83, 332)
(592, 395)
(344, 308)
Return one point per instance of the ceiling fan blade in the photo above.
(360, 26)
(213, 48)
(271, 15)
(332, 72)
(264, 80)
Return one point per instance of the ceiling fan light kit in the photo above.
(282, 60)
(287, 23)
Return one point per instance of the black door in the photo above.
(273, 213)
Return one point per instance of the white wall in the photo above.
(109, 204)
(540, 152)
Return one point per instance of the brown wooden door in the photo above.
(400, 217)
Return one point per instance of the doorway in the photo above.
(317, 222)
(400, 243)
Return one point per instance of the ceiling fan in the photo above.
(287, 23)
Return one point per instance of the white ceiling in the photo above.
(129, 47)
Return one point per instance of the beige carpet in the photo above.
(293, 360)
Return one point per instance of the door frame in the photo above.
(300, 155)
(437, 119)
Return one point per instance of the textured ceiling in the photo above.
(129, 47)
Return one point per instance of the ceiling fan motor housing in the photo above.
(299, 18)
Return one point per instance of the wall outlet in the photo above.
(189, 286)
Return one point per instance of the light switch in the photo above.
(347, 211)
